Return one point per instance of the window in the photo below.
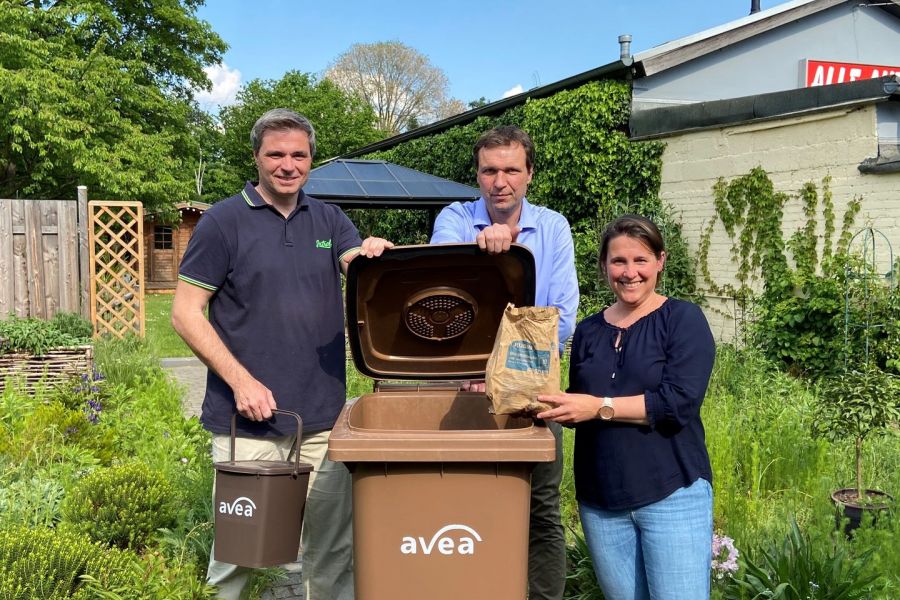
(162, 238)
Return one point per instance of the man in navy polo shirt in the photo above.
(504, 164)
(267, 263)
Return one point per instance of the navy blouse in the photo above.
(668, 356)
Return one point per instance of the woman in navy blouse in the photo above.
(638, 373)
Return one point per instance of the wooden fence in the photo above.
(44, 257)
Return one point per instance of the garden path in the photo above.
(191, 373)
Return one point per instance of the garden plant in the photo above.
(780, 410)
(768, 401)
(855, 405)
(104, 485)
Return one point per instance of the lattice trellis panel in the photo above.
(116, 243)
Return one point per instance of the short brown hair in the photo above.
(506, 135)
(281, 119)
(633, 226)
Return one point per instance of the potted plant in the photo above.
(853, 406)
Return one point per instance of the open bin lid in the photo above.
(431, 312)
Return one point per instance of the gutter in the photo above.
(658, 123)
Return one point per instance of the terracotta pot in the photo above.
(847, 501)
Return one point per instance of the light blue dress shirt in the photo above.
(543, 231)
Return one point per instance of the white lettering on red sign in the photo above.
(821, 72)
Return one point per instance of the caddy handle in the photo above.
(296, 448)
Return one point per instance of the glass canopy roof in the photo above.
(354, 183)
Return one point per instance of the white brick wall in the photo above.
(792, 151)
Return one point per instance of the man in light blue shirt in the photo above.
(504, 161)
(545, 232)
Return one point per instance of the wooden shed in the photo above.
(165, 245)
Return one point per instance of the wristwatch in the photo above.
(606, 411)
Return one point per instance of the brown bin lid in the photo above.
(432, 311)
(262, 467)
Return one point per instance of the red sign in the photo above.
(820, 72)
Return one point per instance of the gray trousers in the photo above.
(547, 540)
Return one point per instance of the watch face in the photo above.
(606, 412)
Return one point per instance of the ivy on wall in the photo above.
(585, 168)
(810, 284)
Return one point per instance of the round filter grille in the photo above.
(440, 314)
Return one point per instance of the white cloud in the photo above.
(513, 91)
(225, 84)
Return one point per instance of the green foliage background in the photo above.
(342, 122)
(99, 93)
(585, 168)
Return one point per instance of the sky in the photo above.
(487, 48)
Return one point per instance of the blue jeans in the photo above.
(661, 551)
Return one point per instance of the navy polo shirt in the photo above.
(277, 305)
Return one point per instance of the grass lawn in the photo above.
(163, 340)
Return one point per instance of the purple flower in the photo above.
(92, 411)
(724, 556)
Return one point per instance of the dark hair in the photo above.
(634, 226)
(281, 119)
(506, 135)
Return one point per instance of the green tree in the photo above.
(585, 167)
(343, 122)
(99, 93)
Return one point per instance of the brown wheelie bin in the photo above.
(441, 487)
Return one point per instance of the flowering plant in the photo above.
(88, 394)
(90, 388)
(724, 556)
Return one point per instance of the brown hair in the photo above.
(506, 135)
(634, 226)
(281, 119)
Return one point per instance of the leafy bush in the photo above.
(39, 435)
(46, 564)
(123, 505)
(804, 331)
(37, 335)
(151, 576)
(839, 317)
(128, 361)
(33, 502)
(73, 324)
(48, 425)
(798, 570)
